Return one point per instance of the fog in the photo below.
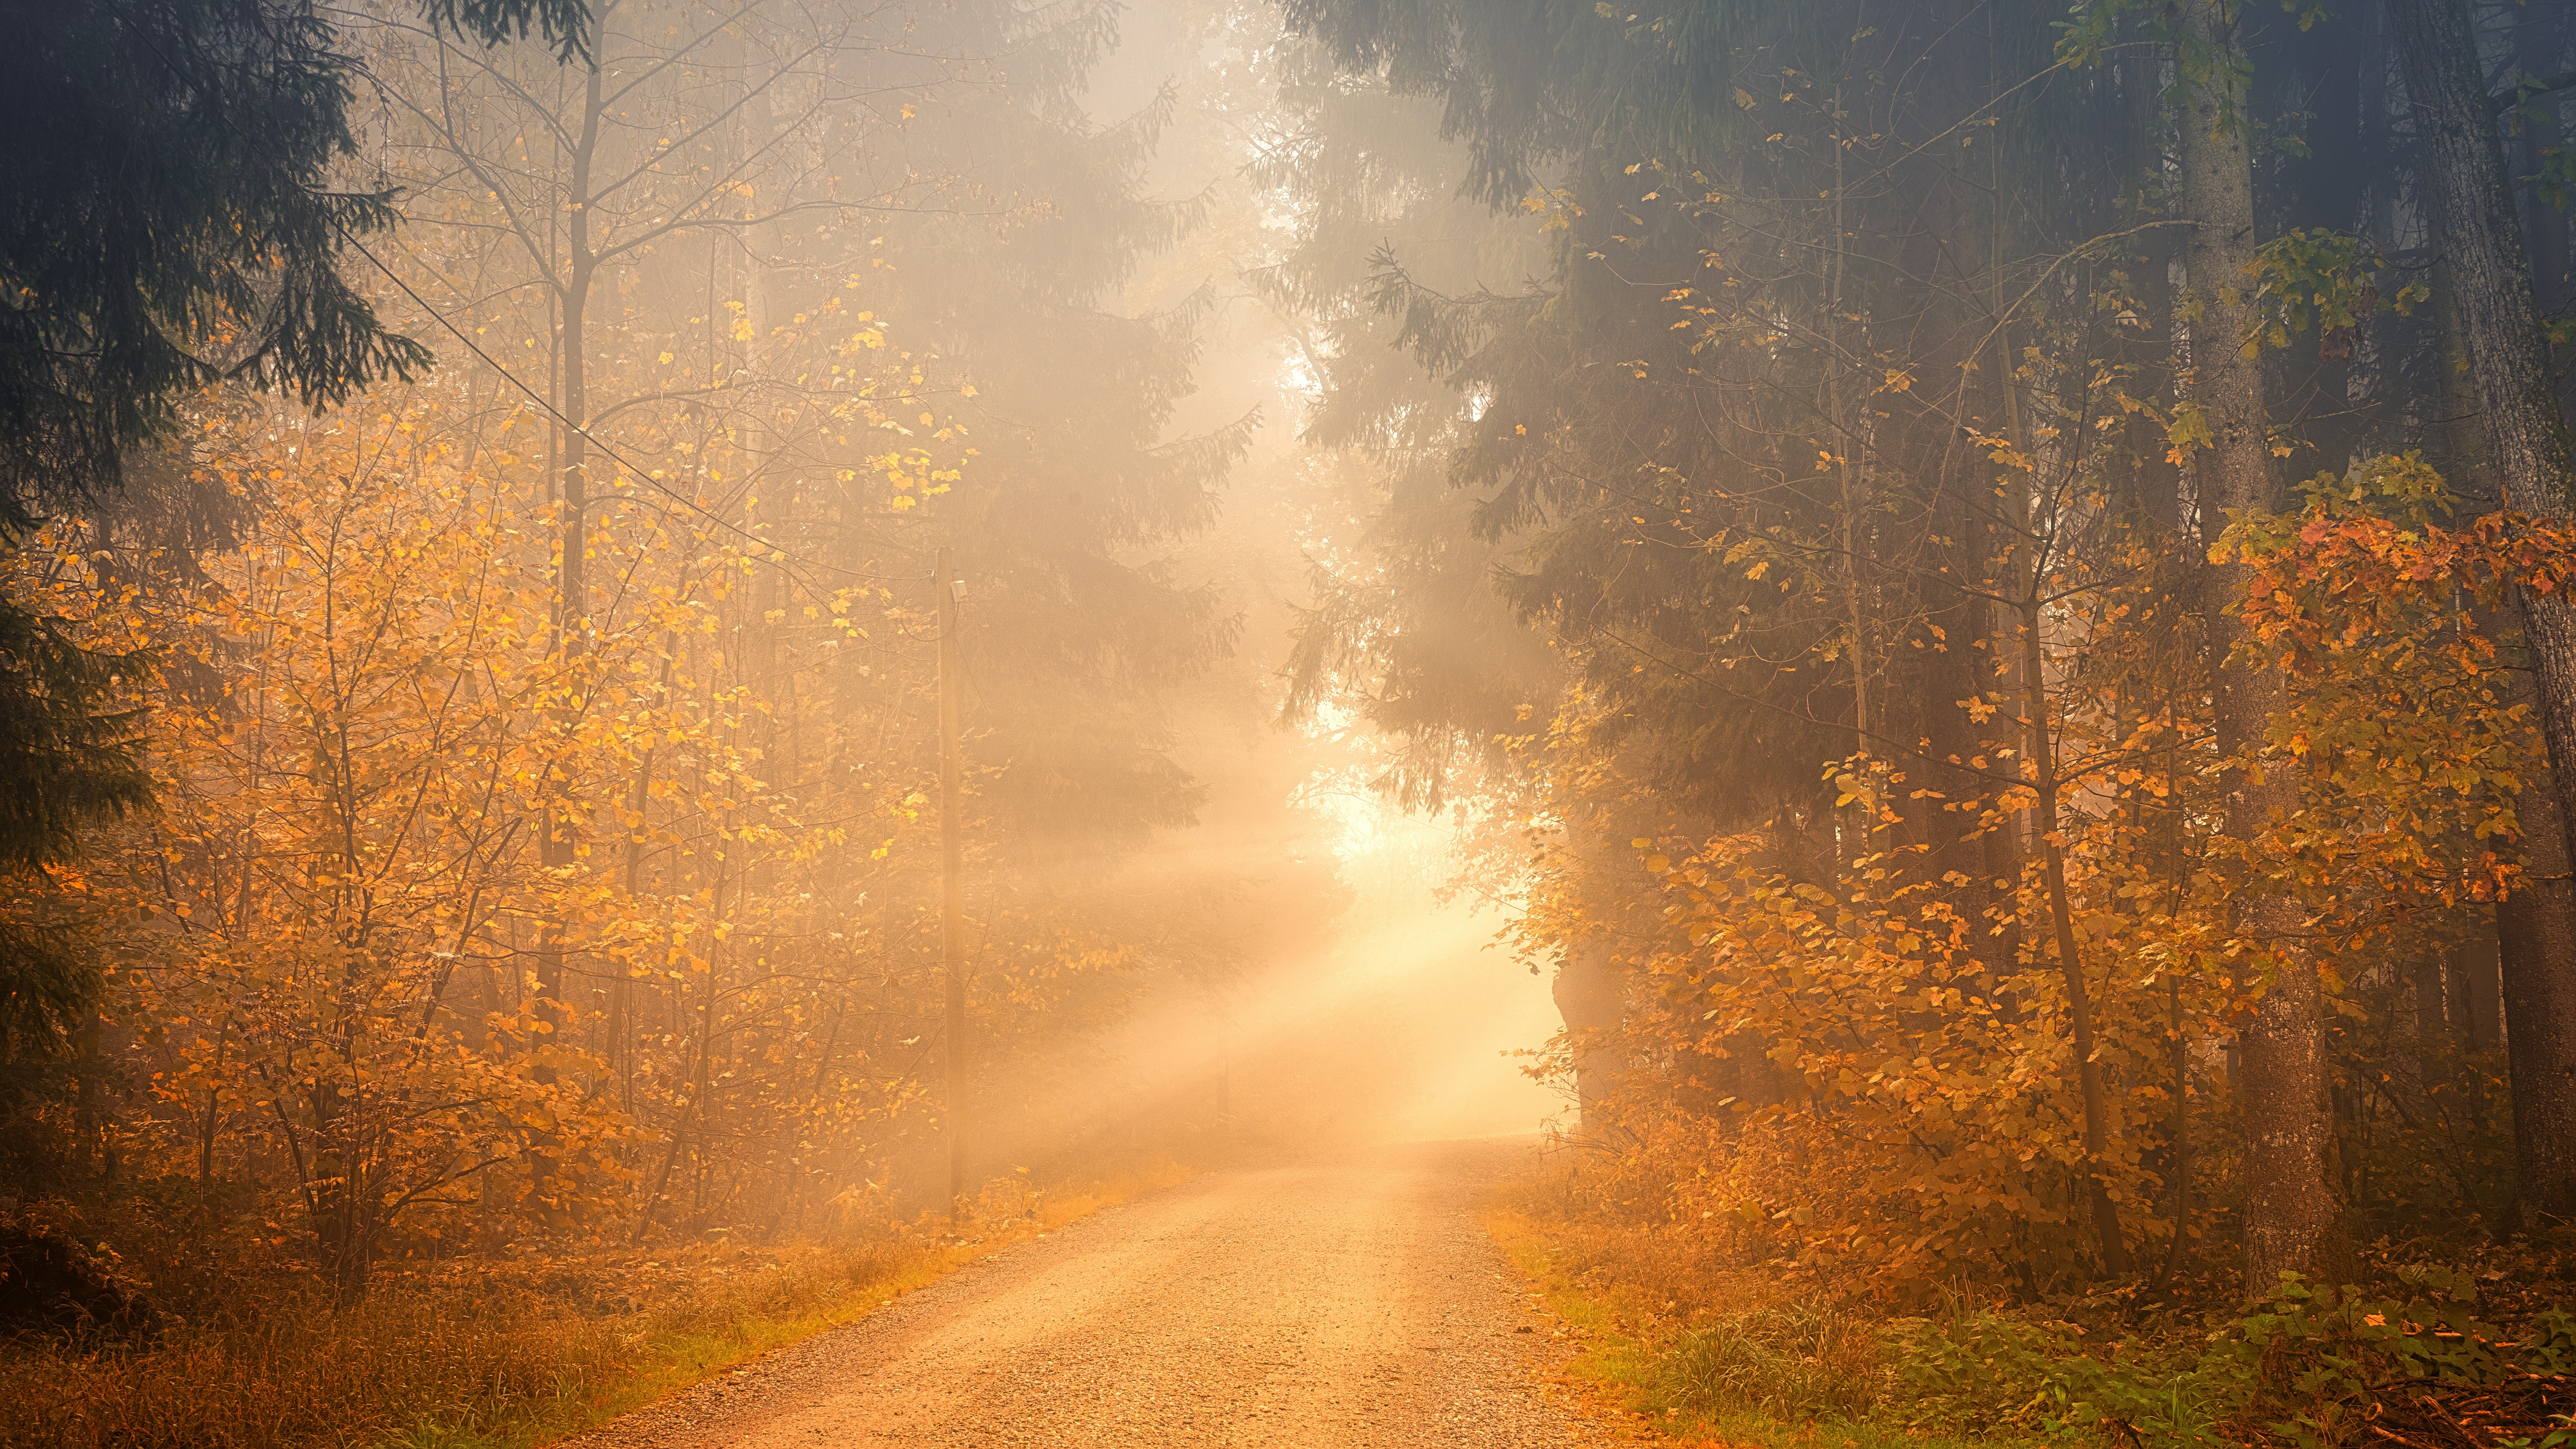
(633, 624)
(770, 673)
(1407, 1018)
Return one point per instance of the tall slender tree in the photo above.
(2526, 453)
(2280, 1090)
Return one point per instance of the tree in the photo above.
(340, 875)
(1860, 455)
(172, 222)
(2288, 1203)
(1721, 462)
(864, 303)
(2527, 454)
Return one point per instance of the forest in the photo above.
(668, 668)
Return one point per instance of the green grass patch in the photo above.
(2409, 1361)
(1761, 1373)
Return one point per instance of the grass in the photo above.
(495, 1356)
(1760, 1371)
(1670, 1339)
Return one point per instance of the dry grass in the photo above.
(1651, 1265)
(1687, 1346)
(495, 1354)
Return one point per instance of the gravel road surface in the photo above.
(1343, 1300)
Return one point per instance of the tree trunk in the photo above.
(2527, 458)
(558, 847)
(1589, 993)
(2536, 937)
(1588, 997)
(2070, 956)
(2040, 749)
(2474, 966)
(344, 1221)
(2280, 1074)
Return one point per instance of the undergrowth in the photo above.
(496, 1355)
(2441, 1348)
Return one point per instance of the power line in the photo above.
(540, 400)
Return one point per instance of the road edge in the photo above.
(670, 1361)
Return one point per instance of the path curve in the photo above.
(1338, 1301)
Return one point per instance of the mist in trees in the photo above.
(1951, 616)
(478, 634)
(1891, 454)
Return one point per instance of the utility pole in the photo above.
(952, 890)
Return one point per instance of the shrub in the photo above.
(2307, 1367)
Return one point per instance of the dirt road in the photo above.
(1350, 1300)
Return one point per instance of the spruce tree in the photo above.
(174, 218)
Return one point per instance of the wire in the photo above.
(594, 439)
(540, 400)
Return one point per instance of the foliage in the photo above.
(69, 743)
(2304, 1366)
(1856, 458)
(174, 222)
(2303, 278)
(1857, 1009)
(509, 820)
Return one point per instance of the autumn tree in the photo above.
(1860, 455)
(176, 220)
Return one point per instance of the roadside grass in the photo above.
(2440, 1343)
(1766, 1371)
(486, 1356)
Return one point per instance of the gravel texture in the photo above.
(1341, 1300)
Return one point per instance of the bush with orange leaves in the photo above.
(1849, 1070)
